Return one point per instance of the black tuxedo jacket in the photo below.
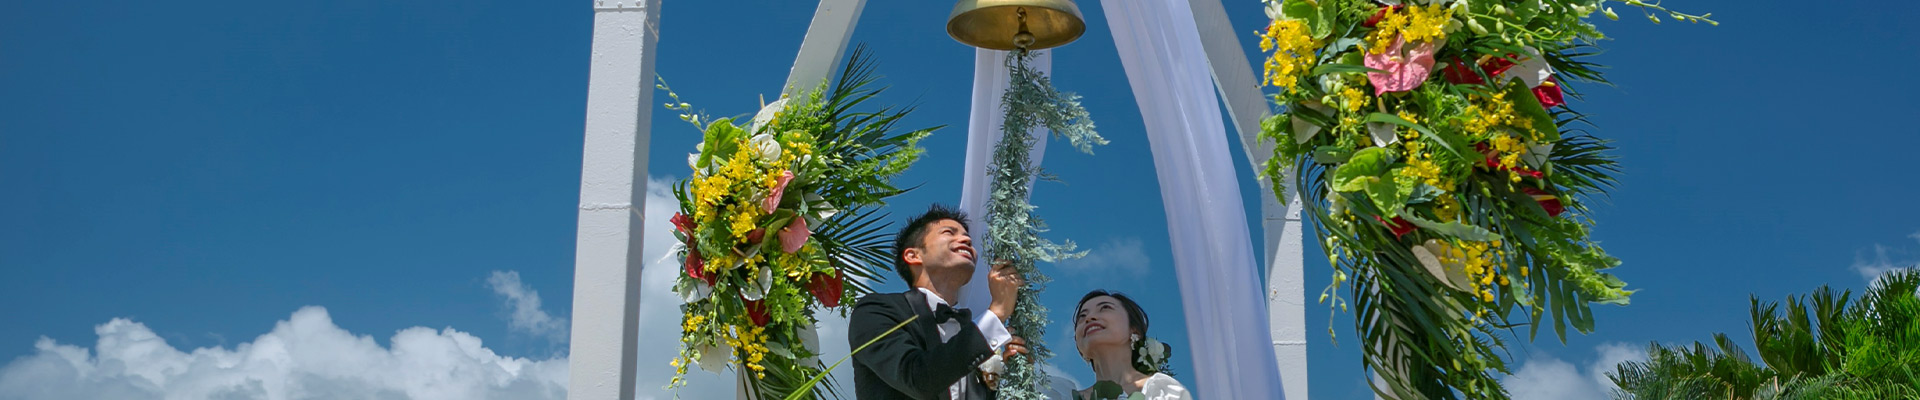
(912, 363)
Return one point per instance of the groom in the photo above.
(936, 356)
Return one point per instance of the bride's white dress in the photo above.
(1157, 387)
(1163, 387)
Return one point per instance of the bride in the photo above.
(1110, 331)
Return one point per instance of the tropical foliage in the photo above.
(1819, 346)
(1445, 174)
(775, 221)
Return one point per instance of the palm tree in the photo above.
(1823, 346)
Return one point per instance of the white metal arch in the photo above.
(606, 300)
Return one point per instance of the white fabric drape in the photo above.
(990, 79)
(1226, 313)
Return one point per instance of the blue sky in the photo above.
(208, 168)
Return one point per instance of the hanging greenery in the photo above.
(1445, 174)
(1013, 233)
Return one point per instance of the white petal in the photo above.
(1383, 133)
(765, 115)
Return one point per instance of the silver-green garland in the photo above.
(1013, 231)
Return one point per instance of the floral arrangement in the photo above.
(774, 222)
(1440, 163)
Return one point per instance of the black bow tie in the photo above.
(944, 312)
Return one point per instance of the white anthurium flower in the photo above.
(1536, 155)
(1448, 272)
(767, 114)
(692, 290)
(693, 161)
(1273, 10)
(713, 358)
(1383, 133)
(766, 147)
(810, 339)
(1303, 130)
(758, 290)
(821, 209)
(1533, 70)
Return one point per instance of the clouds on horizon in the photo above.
(1885, 259)
(305, 356)
(1547, 377)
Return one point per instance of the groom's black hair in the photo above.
(914, 235)
(1136, 317)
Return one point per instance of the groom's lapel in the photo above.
(918, 301)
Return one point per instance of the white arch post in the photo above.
(613, 182)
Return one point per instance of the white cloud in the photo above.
(305, 356)
(1122, 255)
(1546, 377)
(523, 307)
(1882, 262)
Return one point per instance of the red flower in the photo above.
(1399, 226)
(1377, 15)
(696, 266)
(1459, 74)
(683, 223)
(827, 288)
(1497, 65)
(757, 312)
(1547, 201)
(755, 236)
(1549, 93)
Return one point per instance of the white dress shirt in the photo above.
(989, 324)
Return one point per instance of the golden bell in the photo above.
(1015, 24)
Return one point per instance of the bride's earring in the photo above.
(1135, 337)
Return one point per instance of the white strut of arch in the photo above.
(613, 173)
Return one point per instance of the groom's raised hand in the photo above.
(1003, 283)
(1016, 346)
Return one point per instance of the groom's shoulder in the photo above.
(880, 300)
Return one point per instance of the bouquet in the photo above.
(776, 223)
(1445, 173)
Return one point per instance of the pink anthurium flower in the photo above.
(779, 189)
(1405, 67)
(794, 235)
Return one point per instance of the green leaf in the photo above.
(721, 137)
(1337, 68)
(1332, 154)
(1529, 106)
(1318, 23)
(1424, 193)
(1396, 120)
(1106, 390)
(1454, 229)
(1367, 165)
(1386, 195)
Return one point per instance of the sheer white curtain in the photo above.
(1213, 255)
(990, 79)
